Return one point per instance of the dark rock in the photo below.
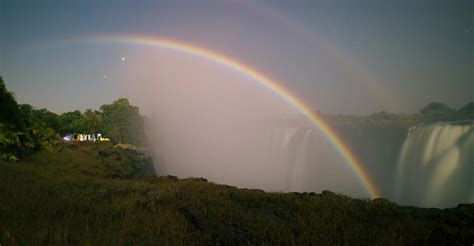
(190, 216)
(229, 186)
(106, 152)
(328, 193)
(283, 213)
(116, 176)
(132, 151)
(171, 177)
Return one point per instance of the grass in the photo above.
(97, 195)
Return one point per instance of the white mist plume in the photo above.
(212, 122)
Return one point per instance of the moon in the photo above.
(123, 58)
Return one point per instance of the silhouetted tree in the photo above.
(468, 109)
(23, 129)
(9, 113)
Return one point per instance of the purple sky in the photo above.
(353, 57)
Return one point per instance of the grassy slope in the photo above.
(91, 195)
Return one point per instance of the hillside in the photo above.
(98, 194)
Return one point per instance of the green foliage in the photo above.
(39, 118)
(9, 142)
(123, 123)
(23, 129)
(92, 121)
(119, 121)
(71, 123)
(9, 113)
(40, 128)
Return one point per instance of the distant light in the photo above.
(123, 58)
(105, 76)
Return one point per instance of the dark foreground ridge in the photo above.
(97, 194)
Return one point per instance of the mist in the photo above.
(215, 123)
(237, 122)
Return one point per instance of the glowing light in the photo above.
(316, 119)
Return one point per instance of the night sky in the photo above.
(354, 57)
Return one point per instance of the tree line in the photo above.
(25, 129)
(431, 113)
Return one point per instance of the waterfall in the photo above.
(436, 165)
(273, 156)
(298, 149)
(308, 162)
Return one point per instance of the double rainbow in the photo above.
(324, 127)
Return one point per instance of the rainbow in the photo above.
(267, 82)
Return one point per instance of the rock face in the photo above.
(436, 165)
(134, 163)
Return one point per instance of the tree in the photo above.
(92, 121)
(468, 109)
(436, 108)
(71, 123)
(9, 112)
(42, 118)
(122, 122)
(23, 129)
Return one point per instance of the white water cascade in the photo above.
(436, 165)
(290, 157)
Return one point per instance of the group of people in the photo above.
(84, 137)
